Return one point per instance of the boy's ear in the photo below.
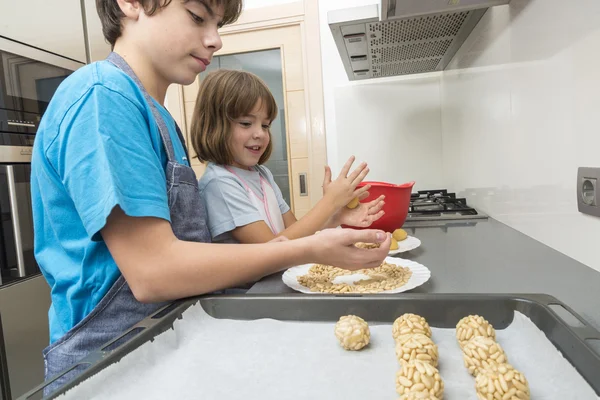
(131, 8)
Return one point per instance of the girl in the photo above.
(231, 131)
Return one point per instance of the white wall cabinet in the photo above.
(55, 26)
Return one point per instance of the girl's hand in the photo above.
(363, 215)
(342, 190)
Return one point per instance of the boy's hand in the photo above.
(336, 247)
(363, 215)
(342, 190)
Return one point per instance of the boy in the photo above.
(119, 225)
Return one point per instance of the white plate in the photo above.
(410, 243)
(420, 275)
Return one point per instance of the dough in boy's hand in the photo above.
(352, 332)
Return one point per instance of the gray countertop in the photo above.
(486, 256)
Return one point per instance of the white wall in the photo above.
(520, 114)
(394, 126)
(394, 123)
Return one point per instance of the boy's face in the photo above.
(181, 38)
(249, 137)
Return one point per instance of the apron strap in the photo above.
(264, 199)
(120, 63)
(248, 188)
(266, 206)
(187, 155)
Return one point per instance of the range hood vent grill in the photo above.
(401, 45)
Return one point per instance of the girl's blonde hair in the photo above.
(224, 96)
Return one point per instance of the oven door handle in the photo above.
(16, 223)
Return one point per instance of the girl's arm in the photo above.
(338, 194)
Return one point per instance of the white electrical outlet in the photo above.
(588, 190)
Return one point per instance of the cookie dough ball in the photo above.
(400, 235)
(416, 346)
(471, 326)
(410, 323)
(503, 382)
(352, 332)
(362, 245)
(481, 352)
(418, 376)
(393, 244)
(353, 203)
(418, 396)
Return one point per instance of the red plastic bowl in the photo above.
(397, 201)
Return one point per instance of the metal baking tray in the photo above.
(569, 332)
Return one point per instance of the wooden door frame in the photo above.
(304, 13)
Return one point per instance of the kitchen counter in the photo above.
(486, 256)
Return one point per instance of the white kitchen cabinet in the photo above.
(55, 26)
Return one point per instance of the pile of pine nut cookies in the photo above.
(418, 377)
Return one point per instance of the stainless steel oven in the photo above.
(28, 79)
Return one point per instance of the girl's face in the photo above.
(249, 137)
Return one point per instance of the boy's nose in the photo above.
(212, 40)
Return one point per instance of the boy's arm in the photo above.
(159, 267)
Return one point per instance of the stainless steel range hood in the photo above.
(407, 37)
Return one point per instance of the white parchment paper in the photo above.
(208, 358)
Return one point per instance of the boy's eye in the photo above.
(196, 18)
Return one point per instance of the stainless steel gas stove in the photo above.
(438, 205)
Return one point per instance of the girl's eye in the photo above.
(246, 124)
(196, 18)
(266, 126)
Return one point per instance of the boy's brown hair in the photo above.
(110, 14)
(225, 96)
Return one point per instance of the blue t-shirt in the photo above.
(97, 147)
